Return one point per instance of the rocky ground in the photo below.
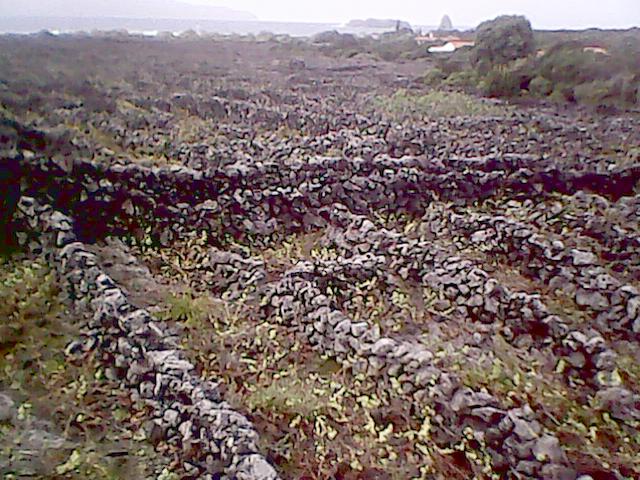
(273, 261)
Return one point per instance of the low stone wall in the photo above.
(144, 354)
(259, 201)
(513, 438)
(575, 272)
(266, 201)
(188, 412)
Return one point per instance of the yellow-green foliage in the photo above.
(186, 308)
(202, 311)
(28, 294)
(513, 375)
(290, 393)
(88, 419)
(314, 414)
(435, 104)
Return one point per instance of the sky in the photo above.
(542, 13)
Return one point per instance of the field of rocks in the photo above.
(251, 259)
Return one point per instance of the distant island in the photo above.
(149, 9)
(378, 23)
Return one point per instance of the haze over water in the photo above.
(138, 25)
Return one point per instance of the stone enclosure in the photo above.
(517, 232)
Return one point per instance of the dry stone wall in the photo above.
(577, 273)
(512, 436)
(483, 269)
(263, 202)
(244, 199)
(144, 354)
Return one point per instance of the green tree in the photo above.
(501, 41)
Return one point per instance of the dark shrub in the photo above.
(631, 91)
(625, 54)
(400, 48)
(571, 64)
(594, 93)
(434, 77)
(456, 62)
(463, 79)
(540, 87)
(501, 41)
(336, 39)
(618, 91)
(500, 82)
(9, 196)
(563, 93)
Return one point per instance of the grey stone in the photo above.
(527, 467)
(441, 305)
(255, 467)
(172, 417)
(375, 365)
(606, 360)
(577, 359)
(395, 369)
(491, 305)
(146, 389)
(475, 301)
(518, 449)
(633, 308)
(594, 300)
(526, 430)
(7, 408)
(620, 403)
(465, 398)
(359, 329)
(425, 376)
(498, 460)
(482, 236)
(488, 415)
(382, 347)
(344, 327)
(581, 258)
(168, 360)
(40, 437)
(559, 472)
(547, 448)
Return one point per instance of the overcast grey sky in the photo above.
(542, 13)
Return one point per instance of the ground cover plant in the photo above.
(61, 419)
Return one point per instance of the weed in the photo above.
(289, 393)
(404, 105)
(588, 432)
(66, 424)
(187, 308)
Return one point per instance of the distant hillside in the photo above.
(121, 9)
(594, 36)
(377, 23)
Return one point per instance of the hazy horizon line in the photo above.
(294, 22)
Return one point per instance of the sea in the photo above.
(151, 27)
